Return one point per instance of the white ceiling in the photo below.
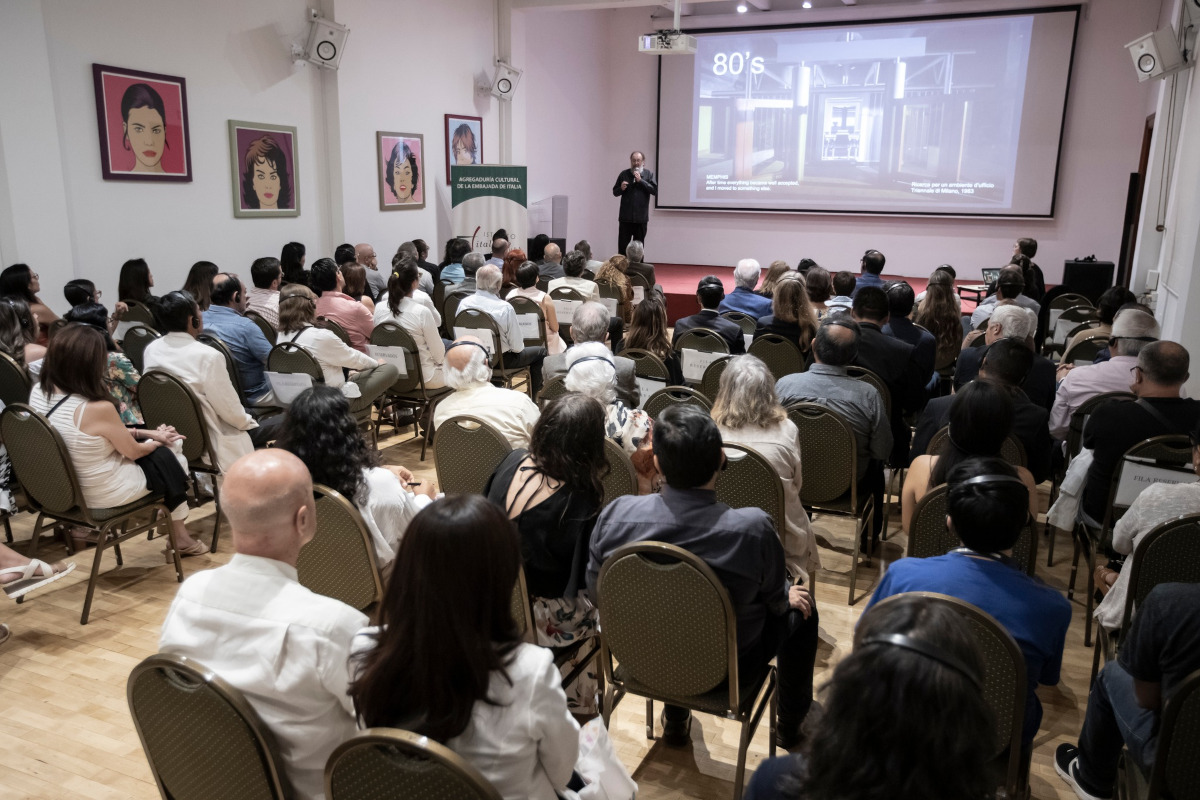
(696, 8)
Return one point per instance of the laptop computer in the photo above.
(991, 275)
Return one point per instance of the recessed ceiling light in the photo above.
(806, 4)
(742, 8)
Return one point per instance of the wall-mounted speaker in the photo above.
(505, 82)
(1155, 54)
(326, 43)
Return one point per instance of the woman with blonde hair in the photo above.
(775, 273)
(938, 315)
(747, 412)
(792, 315)
(614, 272)
(648, 331)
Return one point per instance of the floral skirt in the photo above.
(7, 503)
(560, 622)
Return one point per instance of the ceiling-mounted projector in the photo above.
(663, 43)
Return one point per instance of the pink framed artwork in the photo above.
(143, 125)
(400, 164)
(464, 141)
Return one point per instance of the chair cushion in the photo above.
(715, 701)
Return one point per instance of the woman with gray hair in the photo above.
(592, 372)
(747, 412)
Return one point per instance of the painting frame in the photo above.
(475, 125)
(114, 87)
(242, 135)
(389, 199)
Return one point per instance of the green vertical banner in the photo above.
(485, 199)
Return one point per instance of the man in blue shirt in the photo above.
(988, 505)
(872, 266)
(745, 276)
(245, 340)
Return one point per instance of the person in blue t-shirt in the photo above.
(987, 506)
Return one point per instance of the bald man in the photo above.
(251, 622)
(377, 279)
(551, 266)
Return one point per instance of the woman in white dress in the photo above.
(527, 278)
(399, 305)
(747, 411)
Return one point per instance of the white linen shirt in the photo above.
(1085, 382)
(510, 412)
(284, 647)
(422, 325)
(330, 352)
(420, 296)
(511, 340)
(387, 508)
(203, 370)
(589, 289)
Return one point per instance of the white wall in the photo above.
(1101, 148)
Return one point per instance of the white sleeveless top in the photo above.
(107, 478)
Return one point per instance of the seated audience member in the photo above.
(255, 604)
(590, 324)
(451, 267)
(904, 716)
(892, 360)
(791, 314)
(572, 268)
(1109, 304)
(512, 343)
(81, 291)
(1131, 332)
(612, 272)
(844, 284)
(648, 332)
(344, 254)
(635, 252)
(987, 508)
(297, 324)
(551, 266)
(21, 283)
(224, 319)
(1124, 708)
(552, 492)
(20, 575)
(291, 261)
(120, 376)
(740, 545)
(512, 261)
(468, 374)
(335, 305)
(425, 284)
(499, 251)
(377, 279)
(1113, 428)
(1011, 322)
(980, 419)
(1158, 503)
(425, 264)
(135, 281)
(775, 273)
(900, 299)
(710, 293)
(18, 332)
(320, 430)
(1006, 364)
(1035, 283)
(419, 294)
(871, 268)
(527, 278)
(747, 412)
(745, 279)
(1010, 286)
(471, 263)
(943, 276)
(940, 313)
(263, 297)
(591, 264)
(398, 305)
(115, 465)
(232, 432)
(356, 285)
(820, 289)
(199, 283)
(493, 699)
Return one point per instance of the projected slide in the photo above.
(928, 116)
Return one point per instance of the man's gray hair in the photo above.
(597, 376)
(1132, 330)
(476, 372)
(746, 273)
(409, 249)
(1015, 322)
(488, 278)
(634, 251)
(590, 323)
(472, 262)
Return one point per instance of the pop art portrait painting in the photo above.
(263, 171)
(401, 167)
(143, 125)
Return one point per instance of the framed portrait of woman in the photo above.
(142, 122)
(464, 141)
(262, 162)
(400, 161)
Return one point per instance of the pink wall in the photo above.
(598, 98)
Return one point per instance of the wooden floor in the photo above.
(66, 731)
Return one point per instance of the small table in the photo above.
(979, 290)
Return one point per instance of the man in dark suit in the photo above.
(1011, 322)
(635, 252)
(710, 293)
(1007, 363)
(635, 186)
(892, 360)
(901, 300)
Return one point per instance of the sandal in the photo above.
(4, 633)
(197, 549)
(30, 579)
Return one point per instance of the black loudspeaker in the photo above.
(1088, 278)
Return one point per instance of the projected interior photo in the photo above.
(959, 115)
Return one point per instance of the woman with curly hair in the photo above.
(648, 331)
(775, 273)
(613, 272)
(321, 432)
(939, 315)
(266, 184)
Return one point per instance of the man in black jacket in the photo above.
(892, 360)
(634, 186)
(709, 294)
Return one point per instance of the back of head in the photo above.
(1028, 247)
(527, 275)
(789, 302)
(592, 371)
(687, 445)
(981, 415)
(225, 290)
(1010, 283)
(264, 271)
(746, 396)
(134, 280)
(499, 248)
(265, 492)
(1164, 363)
(355, 275)
(648, 330)
(552, 252)
(297, 307)
(402, 280)
(407, 249)
(435, 694)
(15, 280)
(634, 251)
(75, 363)
(746, 273)
(904, 713)
(422, 248)
(573, 264)
(836, 343)
(323, 276)
(79, 291)
(710, 291)
(844, 283)
(537, 246)
(488, 278)
(472, 262)
(456, 248)
(870, 305)
(1132, 330)
(95, 315)
(344, 254)
(319, 429)
(291, 257)
(873, 261)
(805, 265)
(987, 503)
(590, 323)
(199, 282)
(567, 443)
(1007, 361)
(1111, 301)
(584, 247)
(818, 283)
(1015, 322)
(901, 299)
(467, 364)
(175, 310)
